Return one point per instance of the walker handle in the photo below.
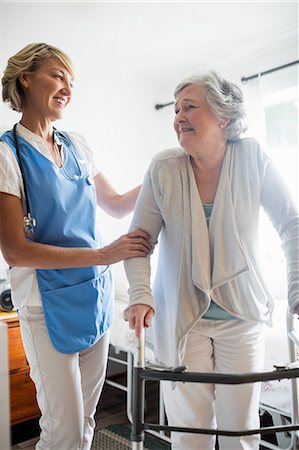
(139, 345)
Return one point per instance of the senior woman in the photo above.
(209, 302)
(60, 278)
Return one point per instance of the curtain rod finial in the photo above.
(162, 105)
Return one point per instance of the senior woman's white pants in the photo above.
(220, 346)
(68, 386)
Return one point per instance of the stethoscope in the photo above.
(29, 222)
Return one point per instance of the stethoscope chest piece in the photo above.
(29, 222)
(89, 179)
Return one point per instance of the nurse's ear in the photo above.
(24, 79)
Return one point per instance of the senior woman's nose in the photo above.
(179, 117)
(177, 123)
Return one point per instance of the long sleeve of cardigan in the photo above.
(146, 217)
(282, 211)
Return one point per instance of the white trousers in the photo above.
(219, 346)
(68, 386)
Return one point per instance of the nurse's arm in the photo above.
(117, 205)
(18, 250)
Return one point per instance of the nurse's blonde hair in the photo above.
(29, 59)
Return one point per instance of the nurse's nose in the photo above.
(67, 88)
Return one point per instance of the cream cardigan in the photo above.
(197, 264)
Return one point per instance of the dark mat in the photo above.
(117, 437)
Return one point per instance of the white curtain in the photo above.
(253, 93)
(272, 107)
(272, 117)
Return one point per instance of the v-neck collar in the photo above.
(217, 252)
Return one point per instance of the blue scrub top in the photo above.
(77, 302)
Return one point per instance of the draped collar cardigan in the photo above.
(198, 263)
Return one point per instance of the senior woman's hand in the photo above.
(139, 316)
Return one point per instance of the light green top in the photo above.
(214, 312)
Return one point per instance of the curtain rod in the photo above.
(162, 105)
(243, 79)
(256, 75)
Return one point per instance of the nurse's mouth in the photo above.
(60, 100)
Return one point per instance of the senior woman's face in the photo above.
(195, 124)
(48, 90)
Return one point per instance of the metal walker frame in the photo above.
(178, 374)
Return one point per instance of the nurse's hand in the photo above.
(139, 316)
(130, 245)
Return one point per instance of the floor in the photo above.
(111, 411)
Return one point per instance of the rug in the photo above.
(117, 437)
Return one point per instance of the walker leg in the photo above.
(138, 392)
(137, 445)
(137, 433)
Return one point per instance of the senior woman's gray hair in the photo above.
(224, 98)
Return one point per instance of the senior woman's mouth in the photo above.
(186, 129)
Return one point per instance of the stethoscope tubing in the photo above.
(29, 222)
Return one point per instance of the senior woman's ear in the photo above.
(224, 123)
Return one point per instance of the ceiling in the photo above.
(130, 55)
(154, 39)
(170, 36)
(142, 49)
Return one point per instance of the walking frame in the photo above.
(179, 374)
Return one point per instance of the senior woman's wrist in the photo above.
(142, 302)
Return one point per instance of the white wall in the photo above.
(115, 92)
(112, 107)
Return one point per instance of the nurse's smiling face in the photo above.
(48, 90)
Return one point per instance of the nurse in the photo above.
(60, 277)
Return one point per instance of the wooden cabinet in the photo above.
(23, 404)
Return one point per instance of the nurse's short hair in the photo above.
(224, 98)
(29, 59)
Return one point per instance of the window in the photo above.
(273, 120)
(281, 133)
